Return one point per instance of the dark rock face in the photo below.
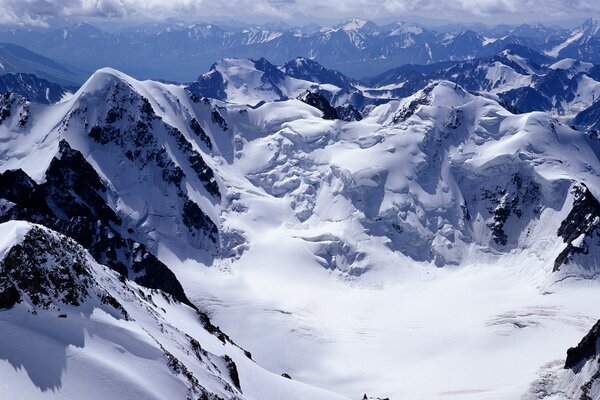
(199, 131)
(584, 219)
(312, 71)
(9, 296)
(233, 372)
(585, 350)
(46, 271)
(218, 119)
(520, 193)
(411, 108)
(526, 99)
(210, 84)
(12, 104)
(320, 102)
(348, 113)
(589, 118)
(197, 163)
(72, 201)
(272, 76)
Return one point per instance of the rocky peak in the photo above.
(318, 101)
(46, 271)
(73, 201)
(14, 107)
(580, 230)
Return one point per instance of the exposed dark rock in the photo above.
(218, 119)
(79, 210)
(233, 372)
(525, 99)
(519, 194)
(583, 219)
(9, 296)
(320, 102)
(111, 301)
(348, 112)
(31, 88)
(46, 271)
(197, 220)
(199, 131)
(210, 84)
(197, 163)
(589, 118)
(14, 104)
(408, 110)
(585, 350)
(310, 70)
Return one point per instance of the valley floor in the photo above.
(474, 332)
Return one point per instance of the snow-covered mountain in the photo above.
(520, 77)
(32, 88)
(19, 60)
(367, 255)
(576, 378)
(253, 82)
(178, 51)
(71, 327)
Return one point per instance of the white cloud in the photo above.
(35, 12)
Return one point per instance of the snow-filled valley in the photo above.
(432, 246)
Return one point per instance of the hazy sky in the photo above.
(35, 12)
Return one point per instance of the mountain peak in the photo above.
(103, 79)
(353, 23)
(590, 27)
(43, 268)
(400, 28)
(356, 24)
(82, 28)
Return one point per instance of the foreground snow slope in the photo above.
(438, 248)
(74, 328)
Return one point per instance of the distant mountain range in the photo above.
(16, 59)
(519, 78)
(34, 76)
(356, 47)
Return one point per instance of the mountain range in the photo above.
(358, 48)
(441, 225)
(352, 212)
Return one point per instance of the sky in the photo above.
(39, 12)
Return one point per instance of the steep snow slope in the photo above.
(71, 327)
(437, 237)
(154, 170)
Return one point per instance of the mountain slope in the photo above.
(523, 79)
(439, 230)
(16, 59)
(32, 88)
(70, 325)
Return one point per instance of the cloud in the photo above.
(36, 12)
